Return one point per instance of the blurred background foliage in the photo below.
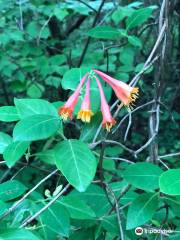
(45, 47)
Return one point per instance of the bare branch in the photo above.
(30, 219)
(11, 209)
(117, 212)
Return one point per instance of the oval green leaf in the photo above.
(36, 127)
(8, 114)
(95, 197)
(14, 152)
(138, 17)
(11, 189)
(29, 107)
(141, 210)
(72, 77)
(169, 182)
(56, 219)
(17, 234)
(105, 32)
(143, 175)
(76, 162)
(77, 208)
(5, 140)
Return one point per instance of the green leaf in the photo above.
(72, 77)
(138, 17)
(135, 4)
(135, 41)
(105, 32)
(18, 234)
(82, 234)
(128, 197)
(5, 140)
(11, 189)
(29, 107)
(8, 114)
(53, 81)
(2, 207)
(122, 12)
(174, 204)
(47, 156)
(96, 198)
(14, 152)
(36, 127)
(174, 237)
(123, 76)
(35, 90)
(76, 162)
(56, 219)
(34, 29)
(113, 151)
(60, 13)
(141, 210)
(169, 182)
(143, 175)
(110, 223)
(127, 55)
(126, 68)
(89, 130)
(77, 208)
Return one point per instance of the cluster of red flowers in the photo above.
(125, 93)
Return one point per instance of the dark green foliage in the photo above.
(120, 180)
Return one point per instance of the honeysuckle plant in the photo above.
(70, 180)
(124, 92)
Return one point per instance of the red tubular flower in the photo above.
(125, 93)
(85, 112)
(108, 120)
(66, 111)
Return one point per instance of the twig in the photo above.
(89, 38)
(21, 16)
(154, 117)
(2, 162)
(115, 158)
(89, 6)
(147, 26)
(163, 163)
(169, 155)
(149, 59)
(15, 175)
(168, 110)
(101, 157)
(145, 145)
(11, 209)
(93, 145)
(42, 28)
(117, 212)
(134, 110)
(125, 190)
(128, 127)
(30, 219)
